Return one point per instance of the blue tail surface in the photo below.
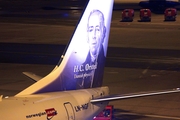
(82, 65)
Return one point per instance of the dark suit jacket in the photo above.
(70, 82)
(96, 79)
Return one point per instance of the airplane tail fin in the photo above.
(82, 65)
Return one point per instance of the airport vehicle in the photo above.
(106, 114)
(127, 15)
(73, 89)
(145, 15)
(170, 14)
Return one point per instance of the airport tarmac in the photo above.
(123, 34)
(154, 35)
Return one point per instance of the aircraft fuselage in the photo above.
(67, 105)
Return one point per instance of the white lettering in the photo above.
(87, 75)
(76, 69)
(81, 68)
(78, 76)
(90, 67)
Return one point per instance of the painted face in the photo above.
(94, 33)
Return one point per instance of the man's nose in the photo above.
(94, 34)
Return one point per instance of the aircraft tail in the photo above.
(83, 63)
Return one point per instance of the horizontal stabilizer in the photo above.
(32, 76)
(134, 95)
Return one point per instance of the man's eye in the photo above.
(97, 29)
(90, 30)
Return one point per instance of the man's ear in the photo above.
(104, 34)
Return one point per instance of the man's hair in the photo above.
(101, 17)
